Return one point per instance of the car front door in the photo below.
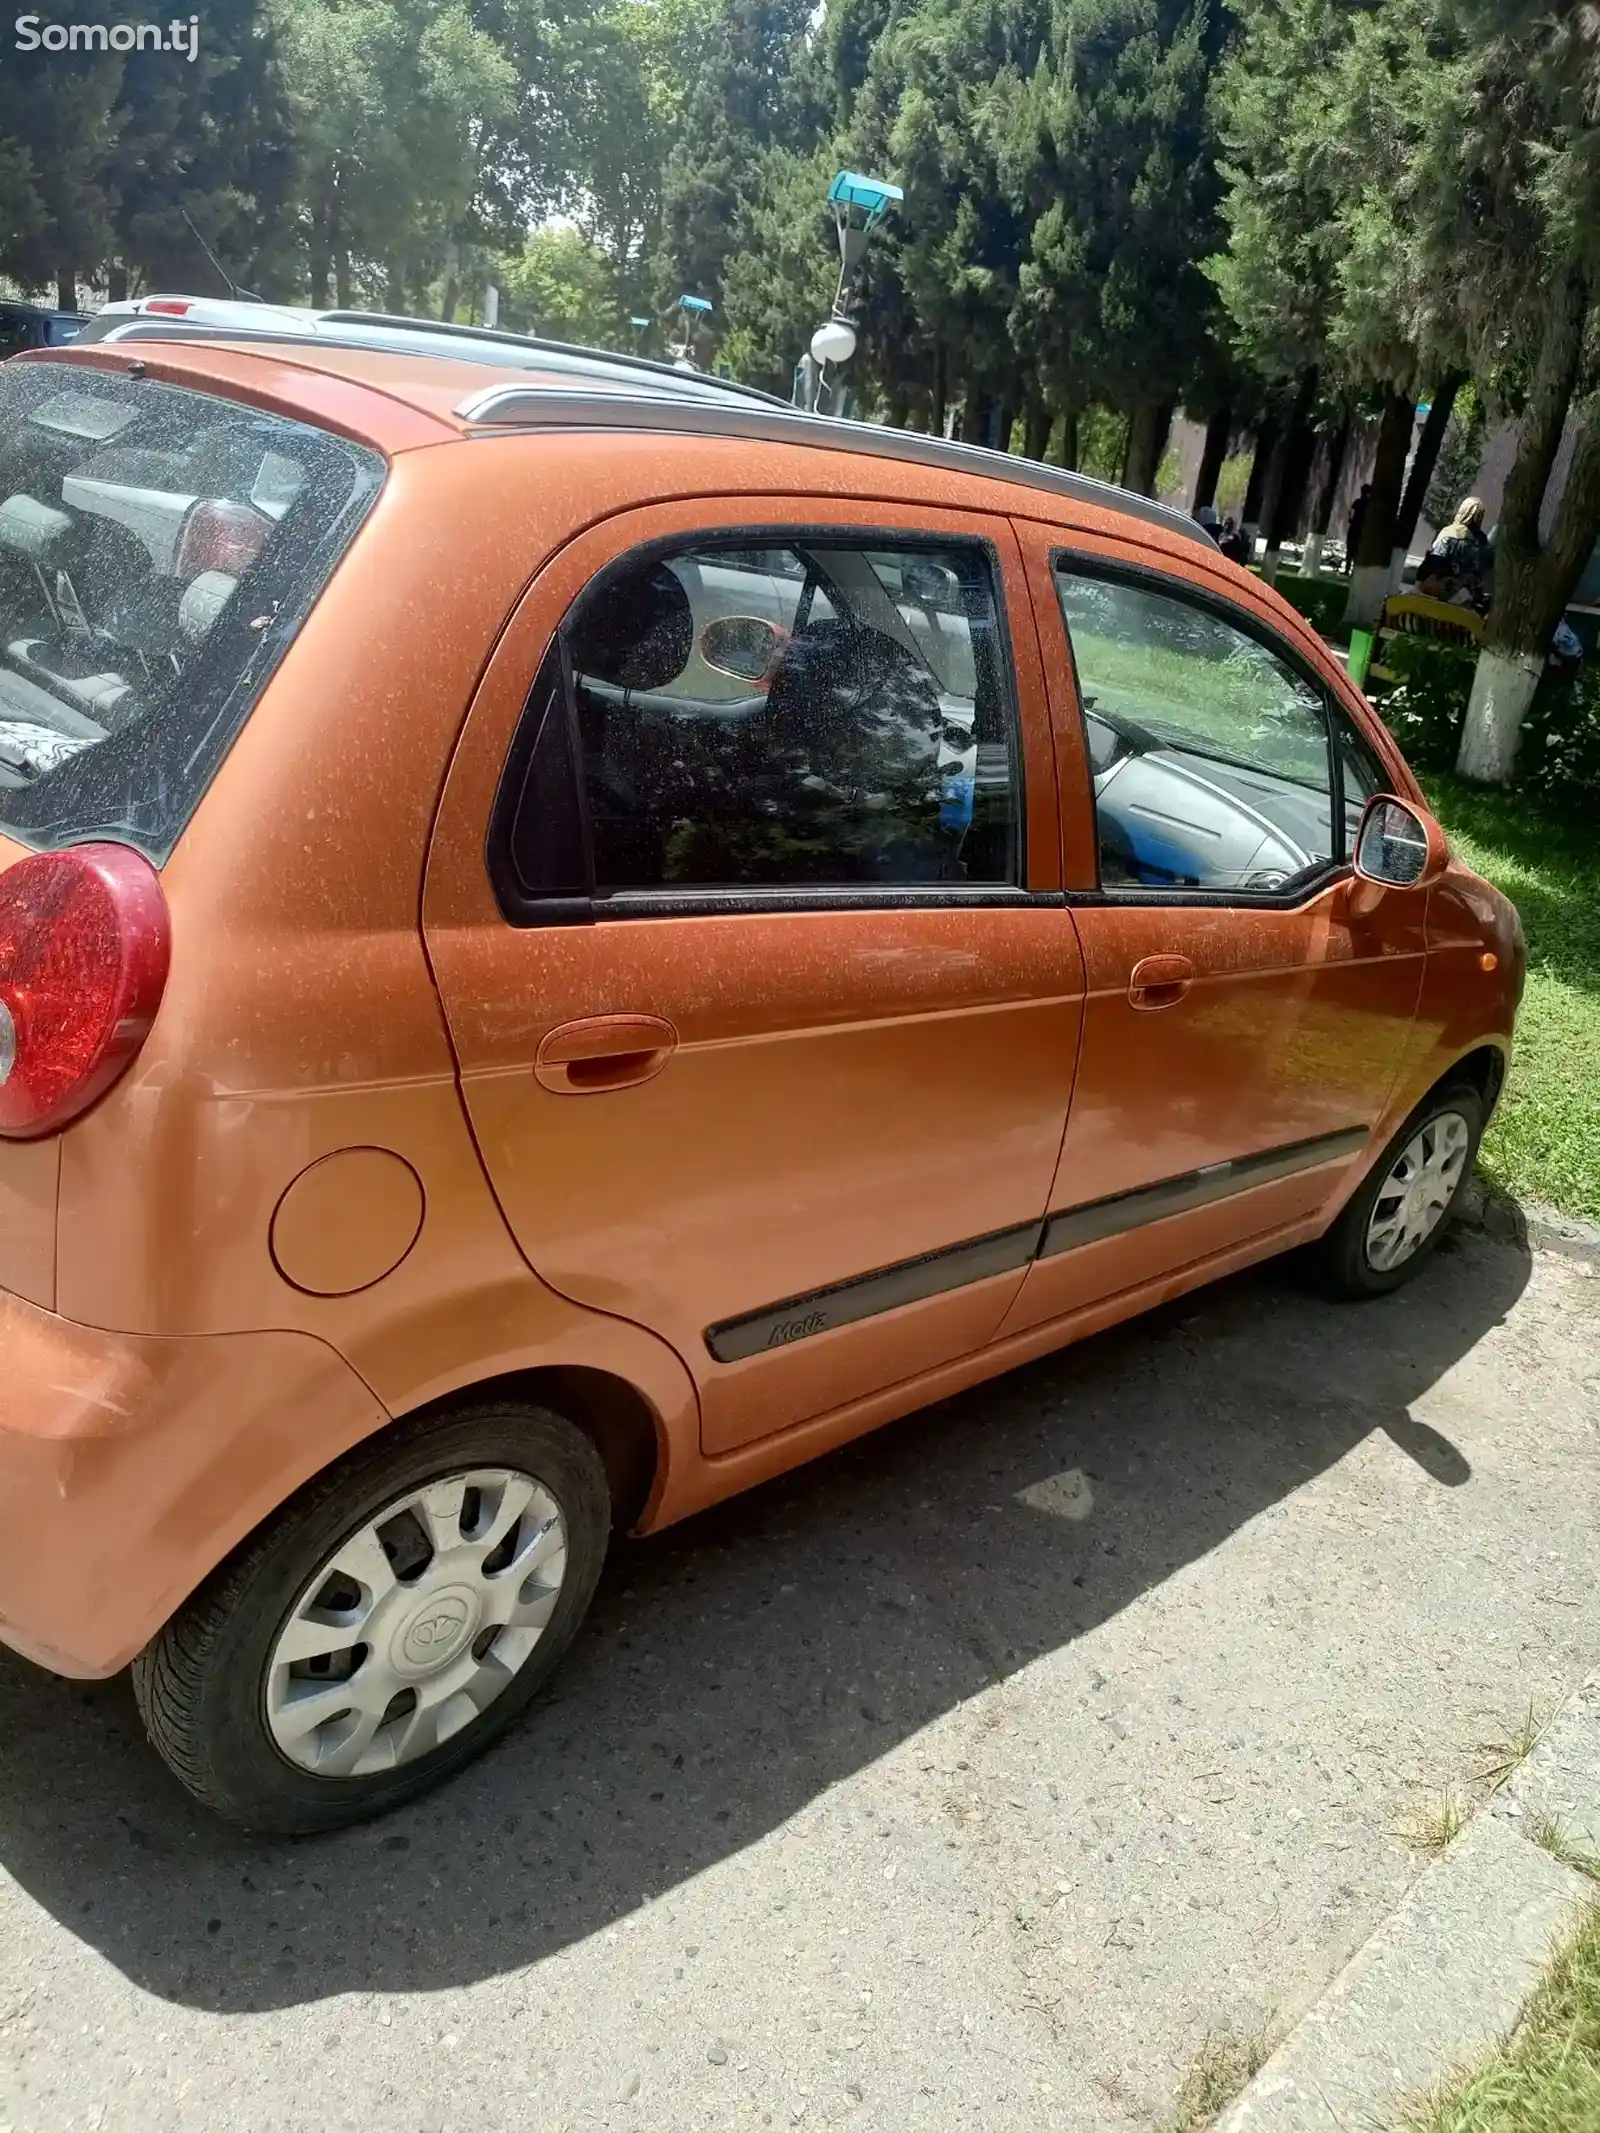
(1247, 1003)
(766, 1000)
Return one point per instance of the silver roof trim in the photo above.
(401, 336)
(553, 407)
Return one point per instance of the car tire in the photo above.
(226, 1701)
(1373, 1248)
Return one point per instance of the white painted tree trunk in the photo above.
(1251, 535)
(1502, 689)
(1311, 561)
(1369, 588)
(1398, 558)
(1271, 564)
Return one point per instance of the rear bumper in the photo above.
(130, 1466)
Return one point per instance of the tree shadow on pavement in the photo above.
(738, 1666)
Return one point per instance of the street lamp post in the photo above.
(691, 311)
(859, 206)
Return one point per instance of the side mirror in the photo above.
(747, 647)
(1399, 846)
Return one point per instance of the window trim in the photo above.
(598, 906)
(1142, 577)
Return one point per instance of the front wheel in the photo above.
(386, 1625)
(1403, 1208)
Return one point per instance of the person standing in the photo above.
(1358, 520)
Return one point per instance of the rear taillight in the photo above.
(168, 306)
(220, 536)
(84, 947)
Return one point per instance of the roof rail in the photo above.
(555, 407)
(617, 357)
(356, 330)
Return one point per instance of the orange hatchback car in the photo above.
(570, 938)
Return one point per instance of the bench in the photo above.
(1415, 615)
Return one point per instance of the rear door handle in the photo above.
(604, 1052)
(1160, 980)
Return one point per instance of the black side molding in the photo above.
(1196, 1188)
(1003, 1251)
(865, 1295)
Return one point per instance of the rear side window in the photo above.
(814, 713)
(158, 550)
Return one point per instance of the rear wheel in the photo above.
(385, 1626)
(1403, 1208)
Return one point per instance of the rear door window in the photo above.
(815, 714)
(159, 547)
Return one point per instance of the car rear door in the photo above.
(1247, 1002)
(765, 1000)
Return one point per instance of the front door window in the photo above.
(1209, 753)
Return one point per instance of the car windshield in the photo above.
(159, 547)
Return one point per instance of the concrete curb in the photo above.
(1485, 1207)
(1445, 1977)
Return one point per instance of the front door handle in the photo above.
(604, 1052)
(1160, 980)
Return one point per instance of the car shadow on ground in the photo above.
(738, 1666)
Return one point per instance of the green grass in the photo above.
(1553, 1835)
(1219, 2070)
(1545, 1142)
(1547, 2078)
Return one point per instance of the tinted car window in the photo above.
(1209, 754)
(807, 714)
(158, 549)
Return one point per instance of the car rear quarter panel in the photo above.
(300, 1017)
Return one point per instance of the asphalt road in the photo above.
(963, 1781)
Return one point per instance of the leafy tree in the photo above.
(1314, 106)
(104, 153)
(1119, 177)
(749, 92)
(56, 129)
(625, 70)
(563, 287)
(781, 284)
(203, 142)
(1507, 245)
(938, 110)
(401, 109)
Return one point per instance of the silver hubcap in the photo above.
(1417, 1191)
(416, 1623)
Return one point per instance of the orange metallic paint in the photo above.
(346, 1221)
(842, 1088)
(128, 1466)
(30, 1177)
(1290, 1024)
(817, 1118)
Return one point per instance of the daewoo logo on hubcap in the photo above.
(438, 1631)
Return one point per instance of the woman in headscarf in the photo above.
(1461, 560)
